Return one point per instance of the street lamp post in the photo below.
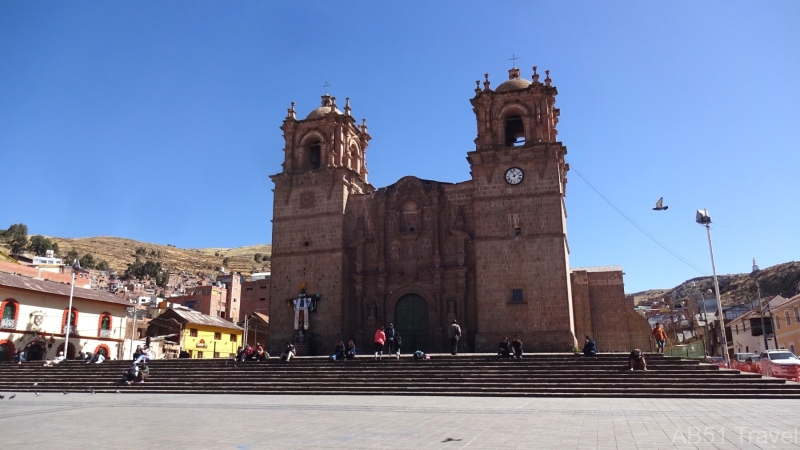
(68, 327)
(704, 219)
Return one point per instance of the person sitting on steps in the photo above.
(350, 350)
(338, 353)
(288, 352)
(260, 354)
(144, 372)
(505, 349)
(636, 360)
(589, 347)
(516, 345)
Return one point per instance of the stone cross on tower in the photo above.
(513, 60)
(326, 86)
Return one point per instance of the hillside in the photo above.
(781, 279)
(118, 252)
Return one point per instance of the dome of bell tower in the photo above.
(328, 105)
(514, 82)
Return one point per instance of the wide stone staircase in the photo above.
(537, 375)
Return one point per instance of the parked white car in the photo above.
(780, 364)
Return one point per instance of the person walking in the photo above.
(660, 337)
(390, 331)
(380, 339)
(455, 334)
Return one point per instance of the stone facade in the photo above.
(490, 252)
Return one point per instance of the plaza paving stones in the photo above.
(242, 422)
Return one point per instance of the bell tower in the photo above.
(521, 251)
(324, 163)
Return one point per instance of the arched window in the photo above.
(515, 131)
(314, 154)
(73, 321)
(10, 311)
(104, 325)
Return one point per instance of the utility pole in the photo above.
(704, 219)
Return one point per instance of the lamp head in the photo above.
(702, 217)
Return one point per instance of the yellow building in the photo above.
(201, 335)
(787, 323)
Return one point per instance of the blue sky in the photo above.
(158, 121)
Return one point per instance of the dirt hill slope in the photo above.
(119, 252)
(781, 279)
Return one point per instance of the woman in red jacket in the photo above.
(380, 339)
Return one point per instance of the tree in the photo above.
(17, 236)
(226, 261)
(88, 261)
(72, 255)
(102, 265)
(39, 245)
(257, 257)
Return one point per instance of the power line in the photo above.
(755, 236)
(639, 227)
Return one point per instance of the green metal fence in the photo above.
(696, 349)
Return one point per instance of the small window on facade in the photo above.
(516, 295)
(262, 287)
(233, 338)
(778, 322)
(262, 299)
(797, 314)
(199, 354)
(216, 354)
(788, 318)
(193, 332)
(249, 289)
(744, 325)
(737, 328)
(217, 336)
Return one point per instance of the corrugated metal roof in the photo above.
(596, 269)
(263, 317)
(52, 287)
(191, 316)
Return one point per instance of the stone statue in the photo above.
(426, 248)
(394, 251)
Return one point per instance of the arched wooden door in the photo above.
(411, 321)
(6, 351)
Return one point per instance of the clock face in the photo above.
(514, 175)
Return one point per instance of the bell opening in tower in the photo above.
(515, 132)
(314, 156)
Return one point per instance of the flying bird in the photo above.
(12, 396)
(660, 205)
(65, 392)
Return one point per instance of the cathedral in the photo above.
(490, 252)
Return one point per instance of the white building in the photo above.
(34, 319)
